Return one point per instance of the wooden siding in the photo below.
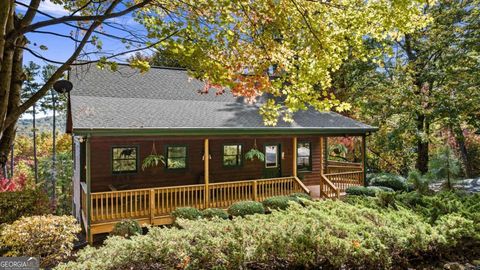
(101, 167)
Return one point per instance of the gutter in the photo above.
(221, 131)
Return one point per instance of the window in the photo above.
(176, 157)
(304, 157)
(124, 159)
(232, 155)
(271, 156)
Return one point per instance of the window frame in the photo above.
(112, 159)
(166, 157)
(277, 160)
(239, 159)
(309, 168)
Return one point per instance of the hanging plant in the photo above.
(254, 153)
(153, 160)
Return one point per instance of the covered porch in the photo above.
(101, 208)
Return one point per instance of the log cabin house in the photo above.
(118, 119)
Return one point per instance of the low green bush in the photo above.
(384, 189)
(241, 209)
(301, 196)
(395, 182)
(190, 213)
(325, 234)
(127, 228)
(279, 202)
(363, 191)
(48, 237)
(443, 203)
(211, 213)
(28, 202)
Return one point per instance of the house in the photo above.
(118, 119)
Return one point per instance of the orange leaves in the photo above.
(250, 86)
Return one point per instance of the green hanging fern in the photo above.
(254, 153)
(152, 160)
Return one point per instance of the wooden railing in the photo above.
(340, 167)
(344, 163)
(150, 203)
(343, 180)
(223, 195)
(168, 199)
(328, 189)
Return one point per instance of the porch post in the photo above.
(88, 203)
(364, 158)
(321, 165)
(294, 146)
(206, 174)
(325, 154)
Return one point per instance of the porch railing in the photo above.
(150, 203)
(344, 180)
(340, 166)
(327, 188)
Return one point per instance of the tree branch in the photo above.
(12, 117)
(30, 14)
(71, 18)
(307, 22)
(36, 54)
(86, 29)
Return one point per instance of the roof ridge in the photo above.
(128, 65)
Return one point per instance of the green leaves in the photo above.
(152, 160)
(253, 154)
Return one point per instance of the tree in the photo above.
(85, 17)
(421, 84)
(30, 87)
(299, 42)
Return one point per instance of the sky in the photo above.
(60, 48)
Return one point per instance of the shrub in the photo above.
(211, 213)
(190, 213)
(241, 209)
(392, 181)
(380, 188)
(363, 191)
(324, 234)
(16, 204)
(279, 202)
(48, 237)
(418, 182)
(127, 228)
(301, 196)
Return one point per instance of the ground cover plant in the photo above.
(358, 233)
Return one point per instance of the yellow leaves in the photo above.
(143, 66)
(305, 43)
(48, 237)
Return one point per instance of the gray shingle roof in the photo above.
(166, 98)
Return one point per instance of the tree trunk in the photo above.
(462, 149)
(35, 161)
(422, 145)
(17, 78)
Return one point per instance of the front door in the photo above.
(273, 161)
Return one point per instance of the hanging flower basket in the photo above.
(254, 153)
(153, 160)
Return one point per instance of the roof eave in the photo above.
(222, 131)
